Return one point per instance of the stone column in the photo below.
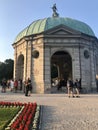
(76, 64)
(93, 74)
(29, 59)
(38, 67)
(25, 60)
(15, 62)
(47, 69)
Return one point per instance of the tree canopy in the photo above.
(6, 69)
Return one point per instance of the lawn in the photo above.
(6, 115)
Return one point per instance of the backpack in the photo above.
(70, 83)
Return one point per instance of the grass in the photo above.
(6, 115)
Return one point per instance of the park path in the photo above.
(60, 112)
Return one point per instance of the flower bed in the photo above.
(26, 119)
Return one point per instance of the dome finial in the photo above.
(54, 8)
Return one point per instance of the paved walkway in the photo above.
(61, 112)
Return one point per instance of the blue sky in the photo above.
(15, 15)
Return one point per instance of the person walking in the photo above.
(12, 84)
(4, 84)
(70, 88)
(15, 85)
(77, 87)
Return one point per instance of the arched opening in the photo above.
(61, 66)
(20, 67)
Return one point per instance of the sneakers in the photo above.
(74, 96)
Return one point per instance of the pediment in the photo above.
(61, 30)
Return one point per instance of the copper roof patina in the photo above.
(42, 25)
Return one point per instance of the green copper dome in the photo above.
(48, 23)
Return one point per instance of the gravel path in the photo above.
(60, 112)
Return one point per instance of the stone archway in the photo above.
(20, 67)
(61, 65)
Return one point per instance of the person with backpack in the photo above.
(70, 88)
(77, 87)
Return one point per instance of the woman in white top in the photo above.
(12, 84)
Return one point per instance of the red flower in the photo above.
(26, 128)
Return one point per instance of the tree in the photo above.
(6, 69)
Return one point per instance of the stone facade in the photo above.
(82, 49)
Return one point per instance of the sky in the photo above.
(15, 15)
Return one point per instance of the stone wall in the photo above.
(39, 69)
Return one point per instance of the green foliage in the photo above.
(6, 69)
